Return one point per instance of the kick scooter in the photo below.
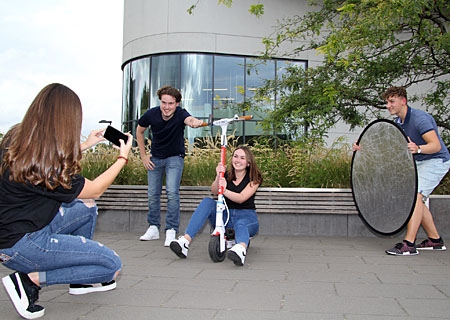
(220, 237)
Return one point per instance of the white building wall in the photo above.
(155, 26)
(164, 26)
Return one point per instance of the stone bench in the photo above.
(124, 208)
(281, 211)
(268, 200)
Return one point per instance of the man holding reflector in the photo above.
(432, 160)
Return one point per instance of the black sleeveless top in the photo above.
(249, 203)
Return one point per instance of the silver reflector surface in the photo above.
(384, 178)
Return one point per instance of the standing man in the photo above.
(433, 162)
(167, 123)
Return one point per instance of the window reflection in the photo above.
(140, 87)
(196, 75)
(136, 94)
(210, 84)
(228, 83)
(280, 72)
(258, 71)
(127, 112)
(165, 70)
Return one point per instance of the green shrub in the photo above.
(305, 164)
(96, 160)
(288, 165)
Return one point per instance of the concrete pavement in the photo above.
(283, 278)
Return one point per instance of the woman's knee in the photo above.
(81, 205)
(251, 228)
(115, 264)
(207, 201)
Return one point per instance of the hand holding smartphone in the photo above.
(113, 135)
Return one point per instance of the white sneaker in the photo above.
(180, 247)
(170, 236)
(237, 254)
(152, 233)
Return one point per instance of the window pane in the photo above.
(196, 79)
(282, 66)
(257, 72)
(210, 84)
(127, 116)
(165, 70)
(140, 87)
(228, 91)
(229, 74)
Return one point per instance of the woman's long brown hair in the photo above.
(254, 172)
(46, 150)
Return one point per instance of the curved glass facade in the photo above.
(209, 83)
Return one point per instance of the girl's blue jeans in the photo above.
(63, 252)
(243, 221)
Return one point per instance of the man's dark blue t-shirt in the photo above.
(167, 136)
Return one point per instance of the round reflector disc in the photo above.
(384, 178)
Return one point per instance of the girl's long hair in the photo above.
(46, 149)
(254, 171)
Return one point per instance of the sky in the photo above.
(74, 42)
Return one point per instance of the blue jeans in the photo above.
(243, 221)
(173, 169)
(63, 252)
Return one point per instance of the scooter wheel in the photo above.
(214, 249)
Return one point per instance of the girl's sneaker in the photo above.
(180, 247)
(237, 254)
(78, 289)
(23, 294)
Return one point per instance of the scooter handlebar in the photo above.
(226, 121)
(249, 117)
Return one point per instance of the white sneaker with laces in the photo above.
(237, 254)
(152, 233)
(170, 236)
(180, 247)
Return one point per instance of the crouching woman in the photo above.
(47, 221)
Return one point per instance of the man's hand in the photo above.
(193, 122)
(146, 160)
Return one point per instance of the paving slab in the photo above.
(284, 277)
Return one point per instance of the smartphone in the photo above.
(113, 135)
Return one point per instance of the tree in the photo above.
(255, 9)
(367, 46)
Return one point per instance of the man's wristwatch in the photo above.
(419, 150)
